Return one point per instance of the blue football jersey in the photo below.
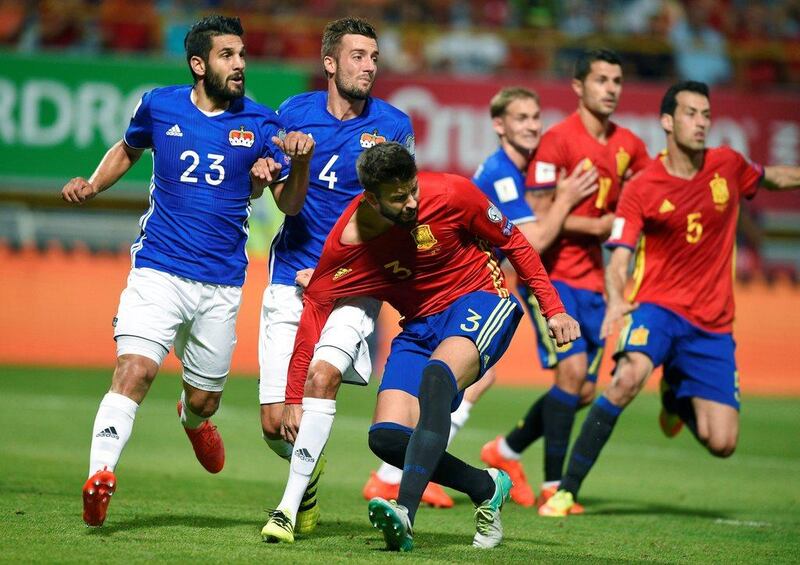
(196, 226)
(504, 184)
(333, 180)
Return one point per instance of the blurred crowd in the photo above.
(752, 44)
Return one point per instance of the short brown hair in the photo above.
(335, 30)
(501, 100)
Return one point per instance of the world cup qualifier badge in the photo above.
(241, 137)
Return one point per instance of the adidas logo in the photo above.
(175, 131)
(109, 432)
(666, 206)
(341, 272)
(304, 455)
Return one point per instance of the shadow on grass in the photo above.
(167, 520)
(616, 507)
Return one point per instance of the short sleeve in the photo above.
(749, 175)
(139, 134)
(629, 218)
(405, 135)
(543, 168)
(272, 126)
(640, 158)
(507, 195)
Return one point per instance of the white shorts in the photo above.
(342, 342)
(198, 319)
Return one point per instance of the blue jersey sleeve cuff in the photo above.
(615, 244)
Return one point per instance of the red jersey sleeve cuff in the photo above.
(555, 310)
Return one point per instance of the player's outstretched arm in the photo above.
(781, 177)
(584, 225)
(616, 276)
(291, 194)
(569, 191)
(116, 162)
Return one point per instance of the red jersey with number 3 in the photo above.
(578, 259)
(420, 270)
(688, 228)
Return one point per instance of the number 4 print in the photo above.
(327, 174)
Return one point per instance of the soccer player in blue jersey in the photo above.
(516, 118)
(213, 149)
(344, 120)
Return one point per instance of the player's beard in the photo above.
(217, 88)
(351, 91)
(398, 218)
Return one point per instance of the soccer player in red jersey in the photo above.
(684, 206)
(574, 261)
(422, 242)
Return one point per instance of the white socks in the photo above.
(280, 446)
(458, 419)
(112, 429)
(506, 451)
(189, 419)
(315, 429)
(392, 475)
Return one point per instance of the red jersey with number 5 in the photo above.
(420, 270)
(684, 261)
(578, 259)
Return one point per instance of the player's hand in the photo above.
(78, 191)
(563, 328)
(302, 277)
(615, 312)
(296, 145)
(262, 174)
(578, 185)
(604, 225)
(290, 421)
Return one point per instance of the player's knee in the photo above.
(720, 444)
(571, 375)
(203, 404)
(587, 394)
(388, 445)
(323, 381)
(624, 388)
(133, 374)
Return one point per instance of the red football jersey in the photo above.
(685, 257)
(420, 270)
(578, 260)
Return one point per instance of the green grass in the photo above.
(648, 499)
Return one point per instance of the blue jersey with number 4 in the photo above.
(333, 181)
(196, 226)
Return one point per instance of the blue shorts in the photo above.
(696, 363)
(588, 308)
(483, 317)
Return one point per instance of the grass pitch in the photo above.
(648, 498)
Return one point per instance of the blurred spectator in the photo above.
(177, 16)
(129, 26)
(700, 50)
(12, 20)
(57, 24)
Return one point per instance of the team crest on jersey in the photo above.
(241, 137)
(639, 336)
(586, 164)
(719, 192)
(371, 139)
(494, 213)
(424, 238)
(623, 160)
(341, 273)
(410, 144)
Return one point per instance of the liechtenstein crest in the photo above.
(371, 139)
(623, 160)
(719, 192)
(241, 137)
(423, 236)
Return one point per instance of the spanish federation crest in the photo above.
(423, 236)
(719, 191)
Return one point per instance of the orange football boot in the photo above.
(521, 492)
(207, 445)
(376, 488)
(434, 495)
(97, 492)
